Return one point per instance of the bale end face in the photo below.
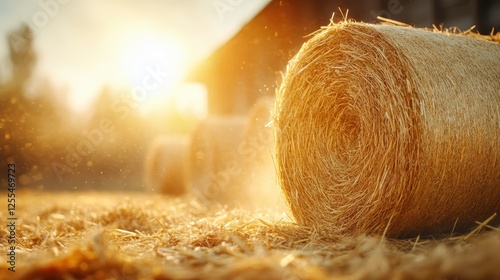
(369, 131)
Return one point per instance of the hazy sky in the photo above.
(82, 45)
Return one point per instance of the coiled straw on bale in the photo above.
(214, 161)
(396, 129)
(166, 165)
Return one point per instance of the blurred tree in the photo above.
(19, 116)
(22, 57)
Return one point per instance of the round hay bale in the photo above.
(385, 128)
(215, 167)
(166, 165)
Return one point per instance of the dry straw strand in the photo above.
(381, 121)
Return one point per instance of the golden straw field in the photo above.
(96, 235)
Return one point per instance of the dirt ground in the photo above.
(112, 235)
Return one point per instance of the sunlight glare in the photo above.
(155, 63)
(191, 99)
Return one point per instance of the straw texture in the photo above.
(166, 165)
(385, 128)
(133, 235)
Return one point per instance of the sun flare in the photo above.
(155, 63)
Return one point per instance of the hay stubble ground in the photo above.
(111, 235)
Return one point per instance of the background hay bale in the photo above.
(166, 165)
(380, 125)
(214, 163)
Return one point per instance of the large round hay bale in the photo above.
(383, 127)
(214, 163)
(166, 165)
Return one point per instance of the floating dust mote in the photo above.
(384, 127)
(214, 163)
(166, 165)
